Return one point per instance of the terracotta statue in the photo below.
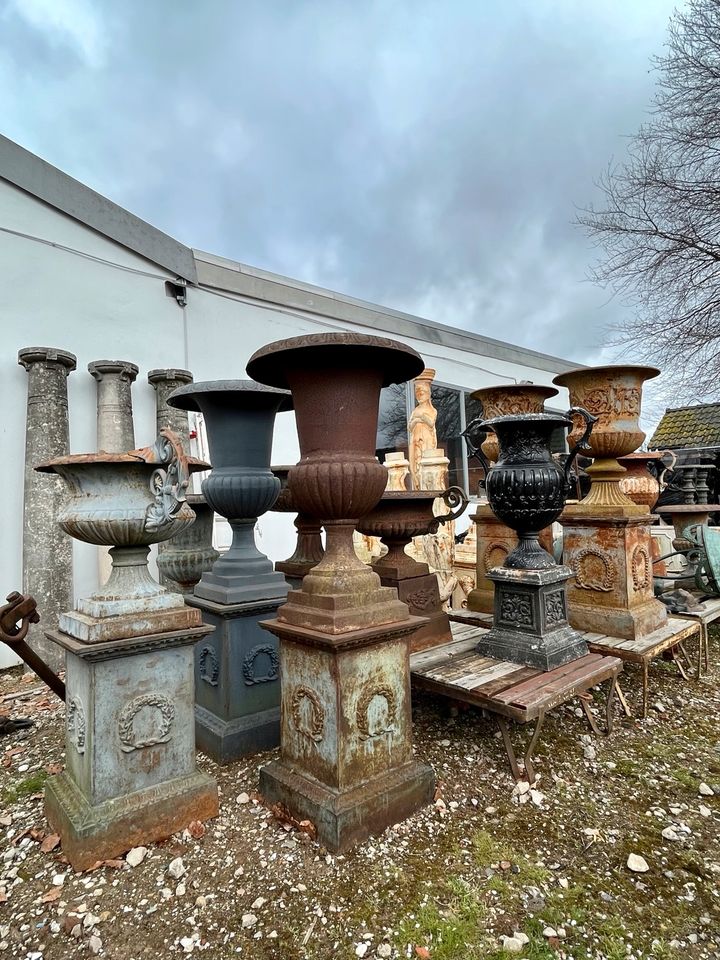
(423, 436)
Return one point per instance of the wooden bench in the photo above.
(709, 613)
(670, 637)
(510, 691)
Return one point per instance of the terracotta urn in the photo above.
(335, 381)
(191, 553)
(527, 487)
(640, 484)
(506, 400)
(309, 548)
(126, 501)
(240, 418)
(613, 395)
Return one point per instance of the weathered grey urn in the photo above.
(190, 553)
(237, 669)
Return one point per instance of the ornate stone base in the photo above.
(89, 629)
(346, 745)
(345, 818)
(129, 745)
(91, 833)
(237, 681)
(530, 619)
(494, 542)
(611, 560)
(241, 582)
(369, 605)
(422, 595)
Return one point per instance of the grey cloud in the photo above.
(427, 156)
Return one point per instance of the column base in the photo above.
(92, 833)
(628, 623)
(229, 740)
(245, 589)
(345, 818)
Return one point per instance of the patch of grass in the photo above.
(25, 788)
(451, 926)
(683, 776)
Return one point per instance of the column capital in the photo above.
(28, 356)
(170, 374)
(123, 368)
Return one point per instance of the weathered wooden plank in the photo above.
(476, 680)
(490, 690)
(544, 677)
(447, 651)
(566, 683)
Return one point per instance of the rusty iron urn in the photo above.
(346, 757)
(508, 400)
(309, 549)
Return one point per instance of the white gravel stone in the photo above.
(705, 791)
(637, 864)
(136, 856)
(248, 920)
(177, 868)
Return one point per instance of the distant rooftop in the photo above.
(693, 426)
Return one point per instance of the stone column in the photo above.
(47, 551)
(164, 381)
(115, 432)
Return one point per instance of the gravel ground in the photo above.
(485, 872)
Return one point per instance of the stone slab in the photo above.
(100, 630)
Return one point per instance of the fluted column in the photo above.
(164, 381)
(115, 431)
(47, 551)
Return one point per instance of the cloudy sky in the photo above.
(425, 154)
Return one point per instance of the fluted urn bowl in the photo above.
(191, 553)
(613, 394)
(336, 379)
(116, 500)
(639, 484)
(509, 399)
(240, 418)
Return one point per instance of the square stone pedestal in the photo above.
(422, 595)
(611, 591)
(237, 680)
(530, 619)
(130, 774)
(346, 759)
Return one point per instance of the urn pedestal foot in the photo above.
(530, 624)
(345, 818)
(130, 772)
(237, 680)
(109, 829)
(346, 760)
(89, 629)
(611, 591)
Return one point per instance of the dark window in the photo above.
(449, 427)
(392, 431)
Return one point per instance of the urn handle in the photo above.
(582, 443)
(169, 482)
(666, 466)
(456, 499)
(475, 451)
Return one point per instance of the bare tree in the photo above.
(659, 222)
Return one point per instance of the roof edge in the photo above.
(233, 277)
(47, 183)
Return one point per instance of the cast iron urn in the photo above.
(526, 490)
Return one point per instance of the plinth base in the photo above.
(530, 620)
(422, 595)
(374, 606)
(102, 629)
(237, 681)
(345, 818)
(92, 833)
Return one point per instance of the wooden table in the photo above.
(709, 613)
(510, 691)
(671, 637)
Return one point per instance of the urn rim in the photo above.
(611, 369)
(541, 389)
(557, 418)
(397, 361)
(242, 391)
(102, 456)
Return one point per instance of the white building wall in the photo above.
(101, 301)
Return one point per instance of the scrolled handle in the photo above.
(582, 443)
(456, 499)
(16, 616)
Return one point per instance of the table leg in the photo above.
(610, 698)
(502, 723)
(621, 698)
(678, 663)
(588, 713)
(645, 689)
(531, 746)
